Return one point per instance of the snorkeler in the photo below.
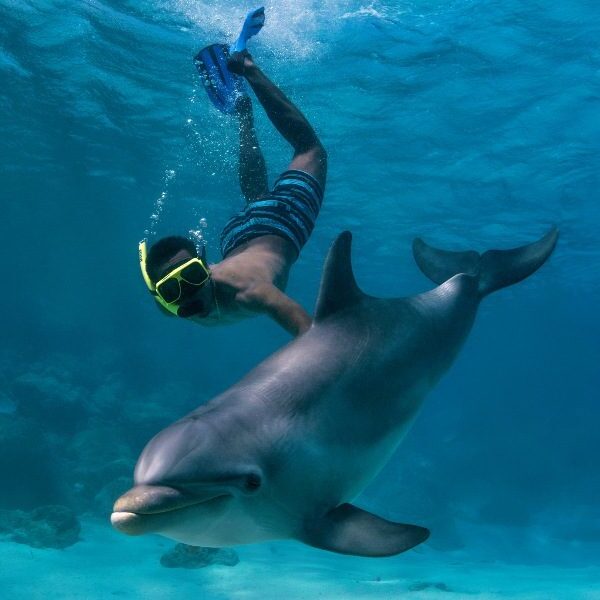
(259, 244)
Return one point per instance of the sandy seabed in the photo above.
(105, 564)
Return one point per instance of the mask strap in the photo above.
(143, 255)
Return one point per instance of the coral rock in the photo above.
(49, 526)
(192, 557)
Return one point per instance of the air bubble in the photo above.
(159, 203)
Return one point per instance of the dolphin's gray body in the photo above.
(282, 453)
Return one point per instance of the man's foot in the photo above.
(240, 62)
(223, 87)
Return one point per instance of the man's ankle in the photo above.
(243, 107)
(240, 63)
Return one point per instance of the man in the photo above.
(260, 244)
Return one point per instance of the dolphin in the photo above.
(282, 453)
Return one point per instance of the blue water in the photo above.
(473, 124)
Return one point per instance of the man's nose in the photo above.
(187, 289)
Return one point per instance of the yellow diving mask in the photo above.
(167, 291)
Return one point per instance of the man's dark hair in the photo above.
(163, 250)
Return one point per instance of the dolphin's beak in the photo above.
(130, 523)
(135, 511)
(151, 499)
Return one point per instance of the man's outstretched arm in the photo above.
(309, 154)
(266, 298)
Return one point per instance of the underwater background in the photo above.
(473, 124)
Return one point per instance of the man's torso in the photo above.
(266, 259)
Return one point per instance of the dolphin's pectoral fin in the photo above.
(350, 530)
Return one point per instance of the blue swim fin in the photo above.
(253, 23)
(223, 87)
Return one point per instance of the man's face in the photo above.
(195, 300)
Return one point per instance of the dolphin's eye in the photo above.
(253, 482)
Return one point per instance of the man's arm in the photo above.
(271, 300)
(309, 154)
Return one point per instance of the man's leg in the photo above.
(252, 169)
(309, 154)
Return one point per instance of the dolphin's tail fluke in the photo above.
(495, 268)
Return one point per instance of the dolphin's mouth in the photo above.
(140, 509)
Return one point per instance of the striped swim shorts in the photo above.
(289, 211)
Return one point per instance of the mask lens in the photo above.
(169, 291)
(194, 274)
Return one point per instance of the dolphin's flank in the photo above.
(284, 452)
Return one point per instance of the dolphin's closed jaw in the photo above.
(133, 511)
(128, 523)
(145, 508)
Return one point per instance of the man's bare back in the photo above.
(251, 281)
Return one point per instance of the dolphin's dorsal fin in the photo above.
(338, 287)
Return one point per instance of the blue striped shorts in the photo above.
(289, 211)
